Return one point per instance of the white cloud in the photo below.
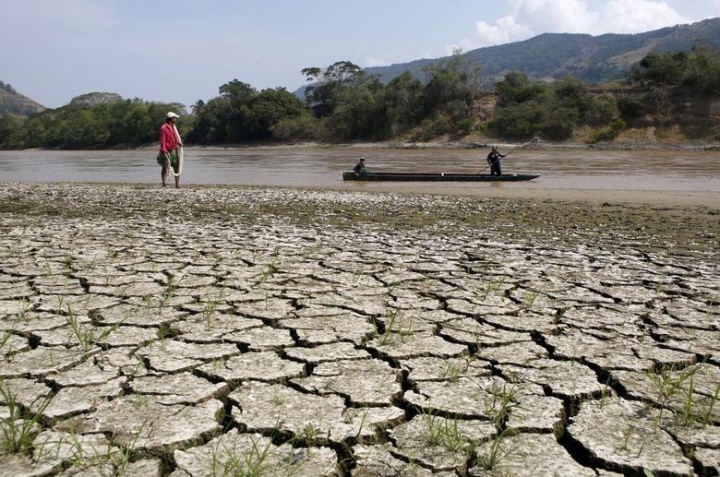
(374, 61)
(527, 18)
(506, 29)
(541, 16)
(633, 16)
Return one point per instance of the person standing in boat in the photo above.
(170, 143)
(493, 159)
(360, 169)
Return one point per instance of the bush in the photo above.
(610, 133)
(705, 130)
(432, 128)
(304, 128)
(631, 107)
(464, 125)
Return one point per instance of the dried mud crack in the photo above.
(245, 331)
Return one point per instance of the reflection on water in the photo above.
(323, 167)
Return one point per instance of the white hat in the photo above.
(172, 115)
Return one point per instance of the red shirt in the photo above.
(168, 139)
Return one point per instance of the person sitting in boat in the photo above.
(494, 160)
(360, 169)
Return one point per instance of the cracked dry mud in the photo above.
(240, 331)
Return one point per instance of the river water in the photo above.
(322, 167)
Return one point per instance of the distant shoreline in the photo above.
(546, 146)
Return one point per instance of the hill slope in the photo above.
(12, 102)
(595, 59)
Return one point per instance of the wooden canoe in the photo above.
(435, 177)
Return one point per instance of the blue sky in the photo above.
(184, 50)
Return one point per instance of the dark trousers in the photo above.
(495, 169)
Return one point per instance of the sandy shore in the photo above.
(275, 331)
(707, 199)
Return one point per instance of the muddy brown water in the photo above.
(322, 167)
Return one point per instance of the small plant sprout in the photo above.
(445, 433)
(530, 298)
(170, 290)
(707, 417)
(627, 436)
(61, 301)
(26, 307)
(676, 392)
(397, 326)
(268, 271)
(495, 453)
(226, 463)
(451, 371)
(605, 391)
(494, 285)
(87, 335)
(311, 431)
(208, 312)
(277, 398)
(501, 403)
(362, 422)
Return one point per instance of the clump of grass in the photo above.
(498, 409)
(676, 392)
(277, 398)
(446, 433)
(169, 291)
(20, 427)
(530, 298)
(501, 403)
(496, 452)
(88, 336)
(396, 328)
(226, 463)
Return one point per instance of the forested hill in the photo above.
(12, 102)
(594, 59)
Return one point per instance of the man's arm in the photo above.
(163, 139)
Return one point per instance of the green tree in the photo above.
(552, 111)
(361, 111)
(405, 102)
(452, 87)
(235, 107)
(516, 88)
(268, 108)
(10, 131)
(322, 95)
(667, 69)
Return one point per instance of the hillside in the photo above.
(594, 59)
(12, 102)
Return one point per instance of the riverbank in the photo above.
(190, 332)
(672, 215)
(485, 143)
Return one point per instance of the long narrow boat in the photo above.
(435, 177)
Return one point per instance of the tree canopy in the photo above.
(343, 103)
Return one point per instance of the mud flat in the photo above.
(246, 331)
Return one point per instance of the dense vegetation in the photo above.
(343, 103)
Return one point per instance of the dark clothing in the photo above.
(494, 160)
(360, 169)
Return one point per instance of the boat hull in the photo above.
(436, 177)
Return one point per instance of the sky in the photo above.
(184, 50)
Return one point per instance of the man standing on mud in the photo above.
(170, 142)
(494, 160)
